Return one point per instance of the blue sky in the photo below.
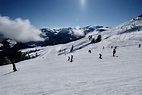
(71, 13)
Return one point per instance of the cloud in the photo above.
(77, 31)
(19, 30)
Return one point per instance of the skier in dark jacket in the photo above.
(71, 58)
(89, 51)
(14, 67)
(9, 62)
(139, 45)
(114, 51)
(100, 56)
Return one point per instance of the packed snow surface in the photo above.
(52, 74)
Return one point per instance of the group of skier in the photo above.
(113, 52)
(70, 58)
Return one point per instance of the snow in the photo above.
(11, 42)
(51, 74)
(1, 44)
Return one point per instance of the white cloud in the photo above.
(78, 31)
(19, 30)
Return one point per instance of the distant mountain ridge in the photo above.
(66, 35)
(55, 36)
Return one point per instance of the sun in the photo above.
(82, 2)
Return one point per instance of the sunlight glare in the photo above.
(82, 3)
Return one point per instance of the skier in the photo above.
(36, 55)
(14, 67)
(114, 51)
(139, 45)
(103, 47)
(90, 37)
(71, 58)
(72, 47)
(115, 47)
(68, 58)
(100, 56)
(89, 51)
(9, 62)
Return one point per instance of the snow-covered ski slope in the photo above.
(128, 33)
(51, 74)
